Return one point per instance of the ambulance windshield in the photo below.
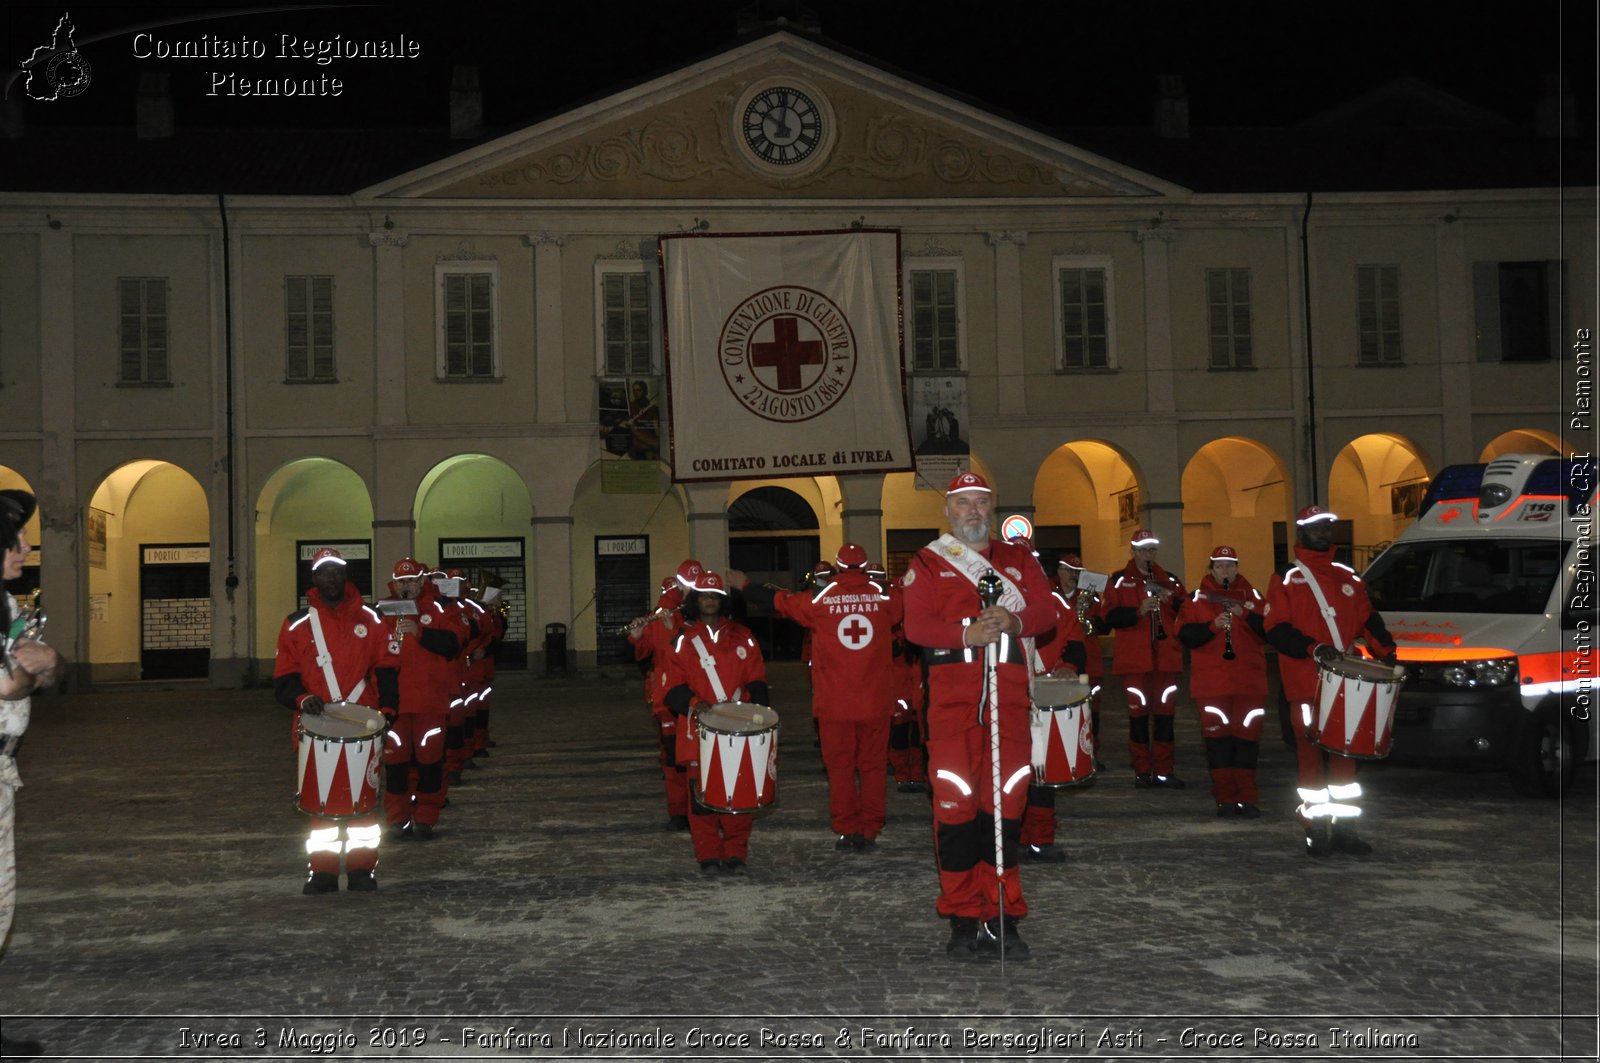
(1465, 576)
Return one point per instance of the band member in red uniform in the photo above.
(959, 634)
(1142, 605)
(1062, 652)
(463, 715)
(908, 725)
(713, 660)
(335, 649)
(1298, 627)
(652, 638)
(1085, 603)
(492, 627)
(850, 619)
(1221, 625)
(424, 647)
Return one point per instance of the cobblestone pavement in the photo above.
(160, 912)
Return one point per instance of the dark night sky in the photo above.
(1064, 64)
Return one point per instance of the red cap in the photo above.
(688, 572)
(326, 555)
(1225, 553)
(850, 556)
(1144, 537)
(409, 568)
(1072, 561)
(671, 595)
(710, 583)
(967, 481)
(669, 584)
(1024, 542)
(456, 573)
(822, 568)
(1313, 513)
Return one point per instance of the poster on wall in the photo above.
(939, 428)
(784, 354)
(630, 417)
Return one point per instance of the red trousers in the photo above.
(960, 773)
(1152, 697)
(677, 782)
(415, 740)
(1232, 729)
(855, 752)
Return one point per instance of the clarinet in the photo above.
(1227, 629)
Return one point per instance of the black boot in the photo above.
(362, 882)
(1346, 840)
(1319, 838)
(963, 946)
(997, 930)
(321, 882)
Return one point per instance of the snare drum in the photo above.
(738, 746)
(1062, 731)
(1354, 714)
(340, 751)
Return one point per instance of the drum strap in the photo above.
(325, 660)
(709, 663)
(1328, 614)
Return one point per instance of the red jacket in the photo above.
(1066, 644)
(427, 663)
(1209, 674)
(1137, 649)
(938, 598)
(852, 647)
(357, 643)
(1295, 625)
(734, 657)
(653, 643)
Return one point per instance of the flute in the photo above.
(638, 622)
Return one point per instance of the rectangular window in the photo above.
(308, 329)
(1228, 316)
(935, 324)
(143, 308)
(1518, 310)
(1085, 322)
(626, 331)
(1378, 315)
(467, 325)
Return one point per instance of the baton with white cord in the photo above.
(988, 595)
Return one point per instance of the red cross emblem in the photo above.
(855, 632)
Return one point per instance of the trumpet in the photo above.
(640, 621)
(27, 624)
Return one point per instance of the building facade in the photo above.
(203, 389)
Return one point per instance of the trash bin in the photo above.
(555, 647)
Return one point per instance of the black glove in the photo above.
(311, 705)
(1325, 654)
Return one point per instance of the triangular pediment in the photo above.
(680, 137)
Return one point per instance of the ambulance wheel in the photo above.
(1544, 754)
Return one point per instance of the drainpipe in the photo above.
(1311, 362)
(232, 582)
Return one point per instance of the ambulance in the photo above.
(1491, 599)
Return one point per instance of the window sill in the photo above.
(1231, 369)
(299, 383)
(936, 372)
(1086, 370)
(1380, 365)
(144, 384)
(468, 380)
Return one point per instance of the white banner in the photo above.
(783, 354)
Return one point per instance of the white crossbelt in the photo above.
(709, 663)
(1322, 604)
(325, 659)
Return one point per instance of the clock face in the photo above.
(783, 125)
